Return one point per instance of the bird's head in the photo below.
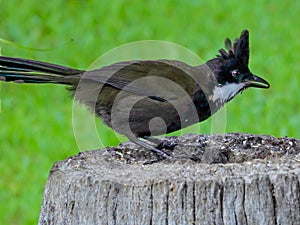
(231, 70)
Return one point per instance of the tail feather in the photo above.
(30, 71)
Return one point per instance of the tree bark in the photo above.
(212, 179)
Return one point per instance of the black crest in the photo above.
(239, 49)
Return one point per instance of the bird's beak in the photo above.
(258, 82)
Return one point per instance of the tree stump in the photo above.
(213, 179)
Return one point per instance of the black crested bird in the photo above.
(141, 99)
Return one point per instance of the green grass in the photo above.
(36, 121)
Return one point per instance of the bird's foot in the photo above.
(166, 144)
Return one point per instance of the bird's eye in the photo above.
(235, 73)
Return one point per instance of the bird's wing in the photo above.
(159, 80)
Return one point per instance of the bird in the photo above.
(142, 99)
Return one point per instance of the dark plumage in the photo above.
(131, 96)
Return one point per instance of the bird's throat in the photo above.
(226, 92)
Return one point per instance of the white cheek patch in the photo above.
(226, 92)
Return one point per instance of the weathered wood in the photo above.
(234, 179)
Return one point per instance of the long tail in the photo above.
(31, 71)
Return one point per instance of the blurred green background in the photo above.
(36, 120)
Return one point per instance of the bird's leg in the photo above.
(148, 146)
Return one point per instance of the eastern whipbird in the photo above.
(145, 98)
